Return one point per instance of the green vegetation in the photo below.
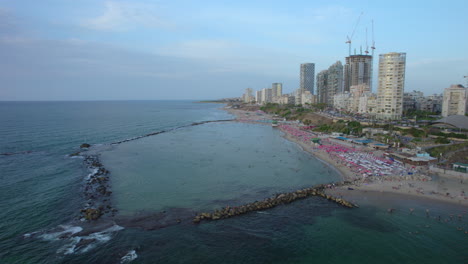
(290, 112)
(435, 152)
(450, 135)
(319, 106)
(352, 127)
(415, 132)
(442, 140)
(421, 115)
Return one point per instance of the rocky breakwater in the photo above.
(97, 190)
(283, 198)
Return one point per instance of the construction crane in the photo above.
(352, 34)
(367, 45)
(373, 43)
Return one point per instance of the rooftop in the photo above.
(458, 121)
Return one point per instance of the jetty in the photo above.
(283, 198)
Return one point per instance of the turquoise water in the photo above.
(194, 167)
(42, 189)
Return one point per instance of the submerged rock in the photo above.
(85, 145)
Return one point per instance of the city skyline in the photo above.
(117, 50)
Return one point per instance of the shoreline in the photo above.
(415, 187)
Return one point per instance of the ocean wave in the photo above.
(82, 244)
(74, 243)
(130, 256)
(61, 232)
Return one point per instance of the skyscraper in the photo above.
(307, 77)
(322, 87)
(334, 81)
(391, 85)
(454, 102)
(357, 70)
(329, 83)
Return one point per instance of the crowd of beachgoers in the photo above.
(360, 161)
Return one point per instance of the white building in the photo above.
(391, 85)
(307, 98)
(341, 101)
(248, 97)
(454, 102)
(367, 104)
(356, 92)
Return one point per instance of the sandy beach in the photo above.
(361, 167)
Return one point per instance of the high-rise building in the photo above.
(277, 89)
(357, 70)
(454, 102)
(391, 85)
(322, 87)
(307, 77)
(259, 96)
(334, 81)
(329, 83)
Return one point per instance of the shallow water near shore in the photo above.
(42, 191)
(209, 166)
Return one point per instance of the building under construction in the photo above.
(357, 70)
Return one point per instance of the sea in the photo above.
(159, 182)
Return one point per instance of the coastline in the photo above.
(417, 187)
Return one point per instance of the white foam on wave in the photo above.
(28, 235)
(93, 172)
(93, 238)
(66, 231)
(130, 256)
(70, 247)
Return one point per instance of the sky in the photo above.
(164, 50)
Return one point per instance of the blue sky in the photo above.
(119, 50)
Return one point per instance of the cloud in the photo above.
(123, 16)
(80, 70)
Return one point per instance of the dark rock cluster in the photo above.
(97, 191)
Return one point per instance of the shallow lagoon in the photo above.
(208, 166)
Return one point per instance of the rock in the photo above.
(92, 214)
(85, 145)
